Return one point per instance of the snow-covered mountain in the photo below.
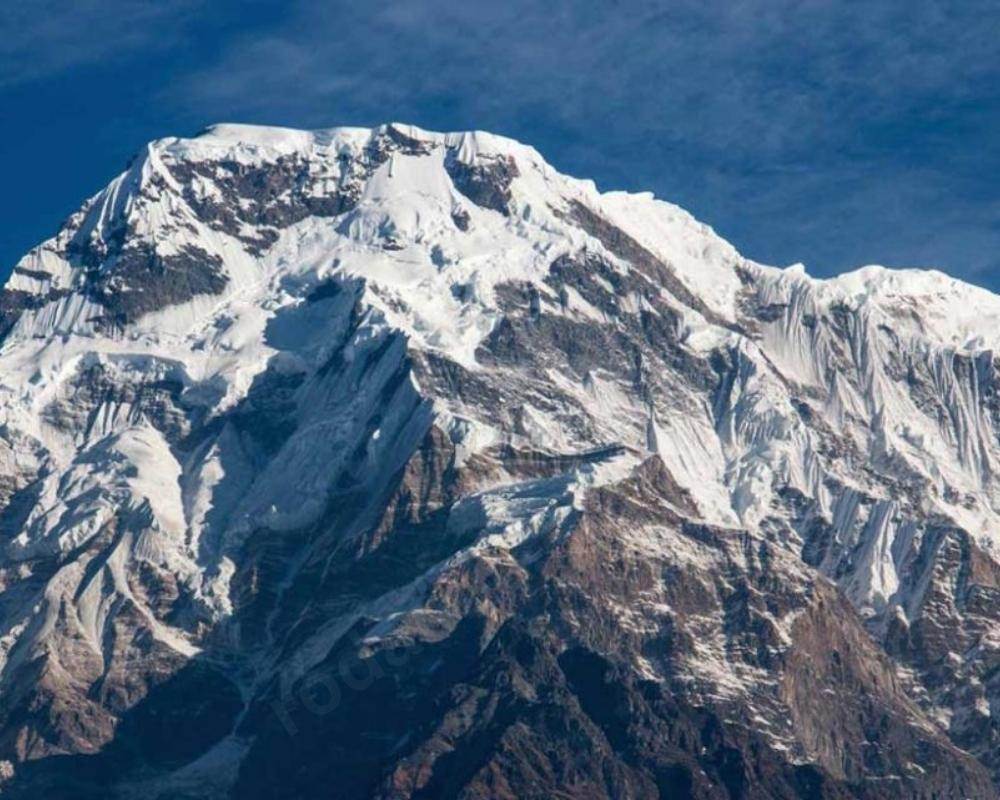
(387, 463)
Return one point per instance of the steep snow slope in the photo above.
(273, 394)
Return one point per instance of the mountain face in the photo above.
(392, 464)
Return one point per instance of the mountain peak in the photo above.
(275, 402)
(187, 204)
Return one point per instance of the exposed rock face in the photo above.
(389, 464)
(486, 181)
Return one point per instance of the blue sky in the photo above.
(836, 134)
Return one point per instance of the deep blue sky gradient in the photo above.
(837, 134)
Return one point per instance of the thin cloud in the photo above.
(41, 38)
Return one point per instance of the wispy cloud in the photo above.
(45, 37)
(779, 75)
